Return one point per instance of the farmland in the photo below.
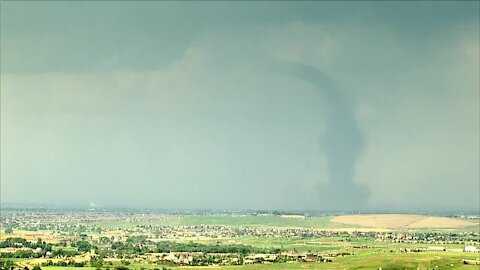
(402, 221)
(140, 240)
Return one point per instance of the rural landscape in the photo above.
(239, 135)
(103, 239)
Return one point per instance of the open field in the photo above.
(353, 222)
(395, 221)
(46, 235)
(121, 241)
(384, 255)
(363, 259)
(371, 259)
(231, 220)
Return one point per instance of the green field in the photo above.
(253, 221)
(385, 255)
(370, 259)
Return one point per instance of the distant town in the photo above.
(113, 239)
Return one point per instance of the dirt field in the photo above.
(395, 221)
(32, 237)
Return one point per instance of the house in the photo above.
(436, 249)
(471, 249)
(309, 257)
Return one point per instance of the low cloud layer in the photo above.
(292, 112)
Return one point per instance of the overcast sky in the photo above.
(270, 105)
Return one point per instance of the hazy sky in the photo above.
(270, 105)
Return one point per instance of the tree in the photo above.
(7, 265)
(83, 246)
(97, 263)
(36, 267)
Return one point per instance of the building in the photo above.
(436, 249)
(471, 249)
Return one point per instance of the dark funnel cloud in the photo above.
(342, 143)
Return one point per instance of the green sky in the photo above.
(270, 105)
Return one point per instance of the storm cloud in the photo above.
(359, 106)
(342, 142)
